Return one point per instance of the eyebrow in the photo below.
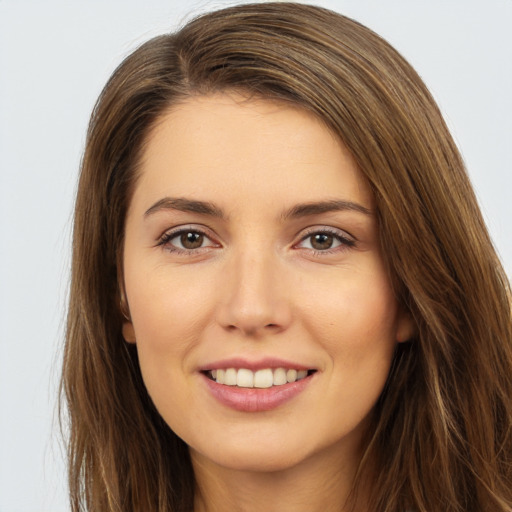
(315, 208)
(185, 205)
(297, 211)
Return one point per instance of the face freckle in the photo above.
(222, 271)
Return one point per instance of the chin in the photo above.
(255, 460)
(265, 451)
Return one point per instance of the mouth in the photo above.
(261, 379)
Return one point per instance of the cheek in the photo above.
(355, 320)
(167, 311)
(166, 322)
(170, 312)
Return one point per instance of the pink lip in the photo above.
(254, 399)
(238, 362)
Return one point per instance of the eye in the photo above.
(186, 240)
(321, 241)
(325, 240)
(189, 240)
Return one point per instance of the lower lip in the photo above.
(256, 399)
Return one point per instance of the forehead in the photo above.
(226, 147)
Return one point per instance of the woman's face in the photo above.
(263, 316)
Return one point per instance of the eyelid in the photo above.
(323, 228)
(346, 239)
(171, 233)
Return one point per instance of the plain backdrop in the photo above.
(55, 58)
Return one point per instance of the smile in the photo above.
(263, 378)
(255, 391)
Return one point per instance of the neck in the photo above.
(318, 484)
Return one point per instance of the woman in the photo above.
(283, 292)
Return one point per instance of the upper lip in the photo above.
(260, 364)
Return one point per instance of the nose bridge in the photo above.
(254, 300)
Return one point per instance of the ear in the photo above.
(406, 327)
(128, 332)
(127, 329)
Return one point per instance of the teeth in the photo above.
(279, 377)
(245, 378)
(291, 375)
(230, 377)
(262, 379)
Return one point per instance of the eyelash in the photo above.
(344, 241)
(165, 240)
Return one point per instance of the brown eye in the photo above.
(186, 240)
(322, 241)
(326, 240)
(191, 240)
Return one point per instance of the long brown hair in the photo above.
(442, 430)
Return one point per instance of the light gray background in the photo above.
(55, 58)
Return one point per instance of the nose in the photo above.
(254, 299)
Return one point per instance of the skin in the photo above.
(256, 287)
